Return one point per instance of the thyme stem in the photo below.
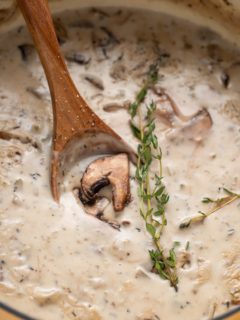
(153, 200)
(217, 205)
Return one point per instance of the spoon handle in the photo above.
(40, 25)
(70, 111)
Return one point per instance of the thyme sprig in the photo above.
(217, 204)
(151, 189)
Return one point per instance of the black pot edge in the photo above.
(14, 312)
(22, 316)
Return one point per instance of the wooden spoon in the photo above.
(76, 126)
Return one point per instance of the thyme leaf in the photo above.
(207, 200)
(153, 199)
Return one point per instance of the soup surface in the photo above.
(56, 261)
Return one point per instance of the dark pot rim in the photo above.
(23, 316)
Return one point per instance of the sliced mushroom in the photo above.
(198, 125)
(195, 126)
(103, 37)
(21, 137)
(95, 81)
(113, 170)
(103, 41)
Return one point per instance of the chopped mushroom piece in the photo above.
(95, 81)
(114, 106)
(113, 170)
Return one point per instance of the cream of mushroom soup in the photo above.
(59, 262)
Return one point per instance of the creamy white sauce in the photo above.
(56, 262)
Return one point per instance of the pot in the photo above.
(220, 16)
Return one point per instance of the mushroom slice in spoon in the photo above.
(113, 170)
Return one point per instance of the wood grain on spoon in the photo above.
(72, 115)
